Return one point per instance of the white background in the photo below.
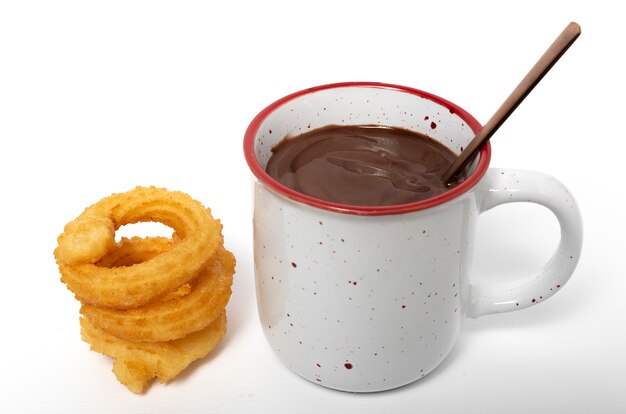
(98, 97)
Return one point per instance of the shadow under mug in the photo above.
(372, 298)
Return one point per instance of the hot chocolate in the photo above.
(366, 165)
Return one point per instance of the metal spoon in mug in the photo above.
(543, 65)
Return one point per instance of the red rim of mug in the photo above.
(259, 172)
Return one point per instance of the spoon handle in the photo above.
(534, 76)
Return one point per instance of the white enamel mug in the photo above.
(372, 298)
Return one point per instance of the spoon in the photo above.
(534, 76)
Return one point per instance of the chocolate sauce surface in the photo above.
(364, 165)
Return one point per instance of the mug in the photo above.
(370, 298)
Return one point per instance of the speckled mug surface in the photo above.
(372, 298)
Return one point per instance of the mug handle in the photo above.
(502, 186)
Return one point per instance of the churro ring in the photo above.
(137, 363)
(89, 237)
(185, 311)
